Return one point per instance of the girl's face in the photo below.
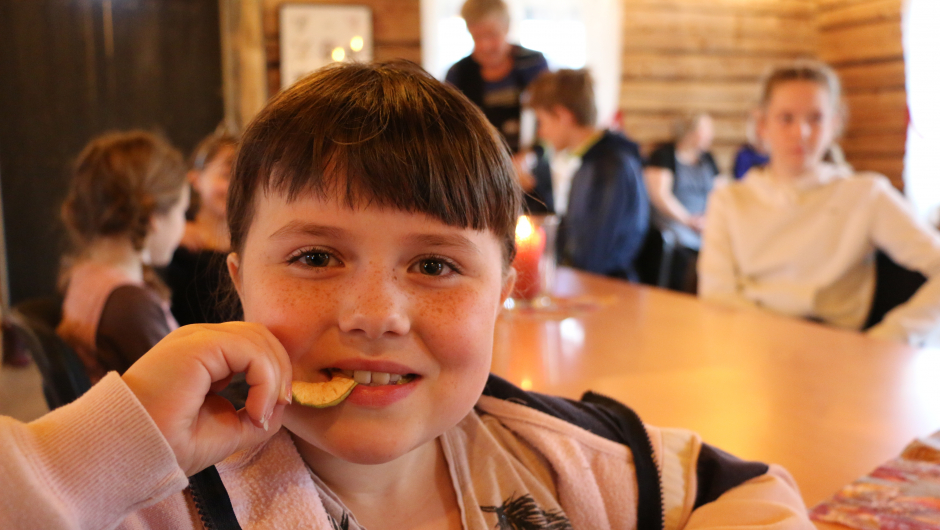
(212, 182)
(166, 231)
(798, 125)
(381, 291)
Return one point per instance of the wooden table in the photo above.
(827, 404)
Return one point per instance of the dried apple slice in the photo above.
(322, 395)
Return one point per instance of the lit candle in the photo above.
(530, 245)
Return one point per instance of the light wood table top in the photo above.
(829, 405)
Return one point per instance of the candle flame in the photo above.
(524, 228)
(338, 54)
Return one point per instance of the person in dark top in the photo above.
(679, 176)
(197, 274)
(495, 77)
(606, 212)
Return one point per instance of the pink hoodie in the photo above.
(101, 462)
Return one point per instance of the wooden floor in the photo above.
(21, 393)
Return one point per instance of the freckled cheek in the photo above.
(296, 312)
(459, 327)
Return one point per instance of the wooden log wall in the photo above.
(396, 31)
(684, 56)
(862, 40)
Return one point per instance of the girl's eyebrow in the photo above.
(294, 228)
(456, 241)
(311, 229)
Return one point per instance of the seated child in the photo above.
(798, 236)
(125, 213)
(197, 273)
(372, 216)
(604, 202)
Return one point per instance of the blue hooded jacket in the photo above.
(608, 210)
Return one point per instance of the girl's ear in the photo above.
(563, 114)
(233, 264)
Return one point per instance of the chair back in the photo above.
(894, 285)
(655, 260)
(30, 326)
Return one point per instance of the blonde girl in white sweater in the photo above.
(798, 236)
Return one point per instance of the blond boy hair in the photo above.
(474, 11)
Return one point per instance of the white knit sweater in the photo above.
(805, 248)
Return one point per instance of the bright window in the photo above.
(922, 69)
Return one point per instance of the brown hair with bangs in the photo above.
(383, 134)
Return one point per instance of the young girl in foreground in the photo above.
(125, 213)
(798, 236)
(372, 215)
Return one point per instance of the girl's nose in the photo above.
(375, 306)
(805, 129)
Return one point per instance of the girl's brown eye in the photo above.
(315, 259)
(432, 268)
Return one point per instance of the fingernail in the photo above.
(288, 393)
(264, 420)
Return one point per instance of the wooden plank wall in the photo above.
(396, 25)
(683, 56)
(862, 40)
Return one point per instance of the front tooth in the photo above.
(380, 378)
(393, 378)
(362, 377)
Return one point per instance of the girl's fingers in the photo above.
(173, 381)
(218, 386)
(283, 359)
(250, 348)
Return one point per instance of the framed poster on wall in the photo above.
(314, 35)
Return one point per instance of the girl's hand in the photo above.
(174, 381)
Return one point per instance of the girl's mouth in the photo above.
(367, 378)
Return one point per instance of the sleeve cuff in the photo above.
(104, 455)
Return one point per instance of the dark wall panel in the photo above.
(71, 69)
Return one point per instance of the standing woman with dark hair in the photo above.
(197, 272)
(125, 213)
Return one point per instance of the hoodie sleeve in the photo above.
(916, 246)
(88, 464)
(770, 501)
(706, 488)
(718, 274)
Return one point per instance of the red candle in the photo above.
(530, 245)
